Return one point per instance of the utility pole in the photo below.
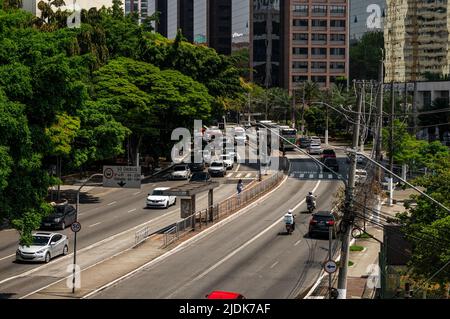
(378, 154)
(293, 108)
(348, 210)
(391, 146)
(326, 125)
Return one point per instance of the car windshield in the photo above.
(315, 145)
(225, 157)
(157, 192)
(328, 152)
(179, 168)
(216, 164)
(40, 240)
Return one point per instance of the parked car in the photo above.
(359, 159)
(157, 199)
(360, 176)
(315, 140)
(224, 295)
(228, 160)
(314, 149)
(63, 215)
(240, 137)
(217, 168)
(200, 177)
(328, 153)
(331, 163)
(181, 171)
(321, 221)
(44, 247)
(304, 142)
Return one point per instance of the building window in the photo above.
(337, 51)
(299, 78)
(337, 37)
(303, 9)
(300, 51)
(318, 66)
(319, 9)
(322, 37)
(337, 24)
(300, 36)
(337, 10)
(319, 79)
(318, 51)
(300, 23)
(300, 65)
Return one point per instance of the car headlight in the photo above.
(57, 220)
(40, 251)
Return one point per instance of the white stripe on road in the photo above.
(95, 224)
(248, 175)
(6, 257)
(220, 262)
(132, 210)
(239, 175)
(112, 203)
(274, 264)
(136, 193)
(298, 242)
(229, 174)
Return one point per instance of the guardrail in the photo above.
(220, 210)
(141, 235)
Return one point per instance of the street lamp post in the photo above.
(75, 235)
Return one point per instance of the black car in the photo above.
(63, 216)
(200, 177)
(321, 222)
(197, 167)
(328, 153)
(331, 163)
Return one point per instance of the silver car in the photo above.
(314, 149)
(44, 247)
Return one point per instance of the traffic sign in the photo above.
(76, 227)
(330, 266)
(122, 176)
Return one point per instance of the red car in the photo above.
(224, 295)
(328, 153)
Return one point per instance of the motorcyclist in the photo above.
(311, 199)
(289, 218)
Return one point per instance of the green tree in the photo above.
(365, 56)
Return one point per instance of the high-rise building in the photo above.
(318, 42)
(219, 25)
(240, 24)
(366, 16)
(144, 8)
(416, 36)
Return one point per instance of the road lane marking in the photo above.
(112, 203)
(248, 175)
(238, 174)
(274, 264)
(132, 210)
(229, 174)
(298, 242)
(134, 194)
(6, 257)
(95, 224)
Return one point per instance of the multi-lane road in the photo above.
(250, 254)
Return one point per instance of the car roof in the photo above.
(323, 213)
(224, 295)
(45, 234)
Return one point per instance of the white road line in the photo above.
(132, 210)
(298, 242)
(6, 257)
(112, 203)
(220, 262)
(229, 174)
(248, 175)
(274, 264)
(134, 194)
(95, 224)
(239, 175)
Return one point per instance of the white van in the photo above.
(239, 135)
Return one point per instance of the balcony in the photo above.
(319, 42)
(337, 28)
(337, 71)
(337, 42)
(319, 28)
(319, 56)
(299, 70)
(337, 57)
(319, 70)
(300, 13)
(300, 28)
(318, 14)
(299, 56)
(300, 42)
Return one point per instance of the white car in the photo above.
(228, 160)
(360, 176)
(314, 148)
(240, 137)
(44, 247)
(157, 199)
(217, 168)
(181, 171)
(315, 140)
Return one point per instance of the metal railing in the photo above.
(220, 210)
(141, 235)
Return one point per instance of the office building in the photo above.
(32, 5)
(416, 36)
(318, 41)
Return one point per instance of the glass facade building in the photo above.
(366, 16)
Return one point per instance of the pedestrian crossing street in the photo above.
(313, 175)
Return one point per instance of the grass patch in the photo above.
(350, 263)
(356, 248)
(363, 236)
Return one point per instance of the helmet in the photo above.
(290, 211)
(310, 193)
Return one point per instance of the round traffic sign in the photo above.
(330, 266)
(108, 173)
(76, 227)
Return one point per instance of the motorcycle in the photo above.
(311, 205)
(289, 228)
